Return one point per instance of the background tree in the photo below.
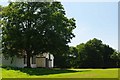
(116, 57)
(95, 54)
(34, 28)
(66, 60)
(72, 57)
(92, 54)
(106, 56)
(82, 55)
(60, 60)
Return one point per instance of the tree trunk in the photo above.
(28, 60)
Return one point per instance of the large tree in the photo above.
(31, 28)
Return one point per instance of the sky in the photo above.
(93, 20)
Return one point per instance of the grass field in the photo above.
(58, 73)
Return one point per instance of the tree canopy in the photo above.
(92, 54)
(31, 28)
(95, 54)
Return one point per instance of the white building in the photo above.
(43, 60)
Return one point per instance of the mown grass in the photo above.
(58, 73)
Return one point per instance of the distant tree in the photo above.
(60, 61)
(66, 60)
(80, 47)
(82, 55)
(106, 52)
(116, 57)
(92, 54)
(95, 54)
(72, 57)
(34, 28)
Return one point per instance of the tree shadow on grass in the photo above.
(43, 71)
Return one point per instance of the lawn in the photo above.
(58, 73)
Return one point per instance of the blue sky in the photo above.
(93, 20)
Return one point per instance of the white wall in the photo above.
(32, 65)
(17, 62)
(40, 62)
(43, 62)
(52, 62)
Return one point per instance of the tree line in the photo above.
(92, 54)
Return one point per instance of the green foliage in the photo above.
(34, 28)
(106, 56)
(95, 54)
(68, 59)
(60, 61)
(116, 57)
(72, 57)
(92, 54)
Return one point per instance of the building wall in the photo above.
(43, 62)
(17, 62)
(40, 62)
(33, 65)
(51, 61)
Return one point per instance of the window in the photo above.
(25, 59)
(33, 59)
